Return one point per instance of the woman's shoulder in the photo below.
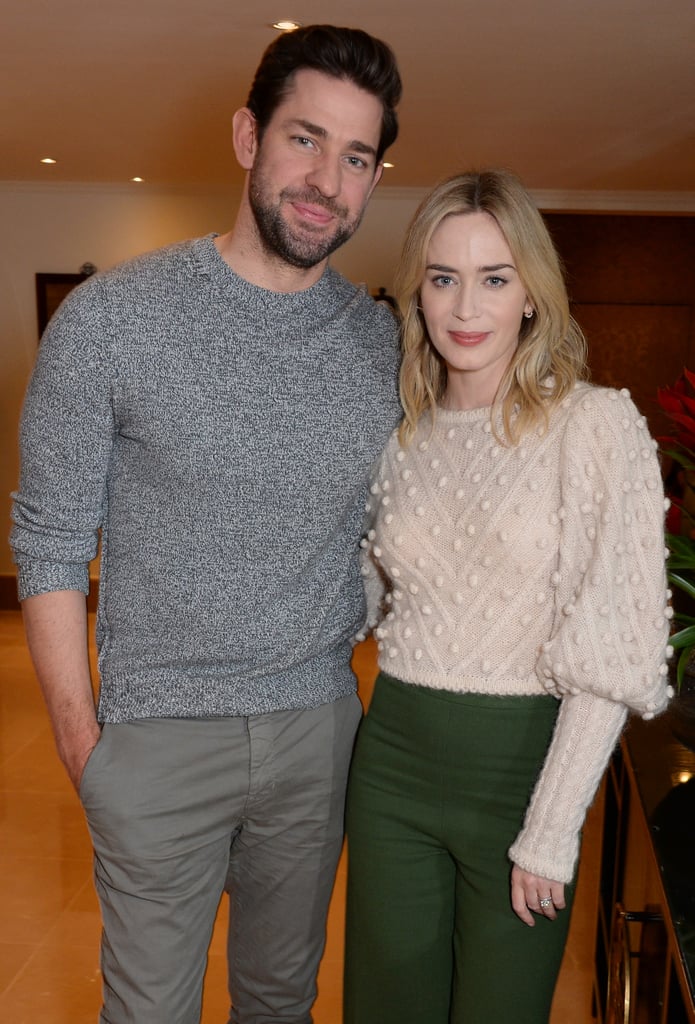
(389, 456)
(594, 401)
(604, 424)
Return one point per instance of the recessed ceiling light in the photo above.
(286, 26)
(137, 179)
(387, 164)
(48, 160)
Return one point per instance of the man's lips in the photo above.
(468, 339)
(311, 212)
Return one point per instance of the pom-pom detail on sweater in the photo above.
(530, 569)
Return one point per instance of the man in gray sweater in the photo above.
(212, 410)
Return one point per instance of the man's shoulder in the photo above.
(376, 318)
(141, 285)
(160, 262)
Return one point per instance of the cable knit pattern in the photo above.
(586, 732)
(531, 569)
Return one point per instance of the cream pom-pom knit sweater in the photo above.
(529, 569)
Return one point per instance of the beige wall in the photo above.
(57, 229)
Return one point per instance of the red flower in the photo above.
(679, 406)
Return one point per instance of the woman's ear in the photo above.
(245, 137)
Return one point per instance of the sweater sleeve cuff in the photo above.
(547, 863)
(35, 578)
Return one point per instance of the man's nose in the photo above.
(325, 175)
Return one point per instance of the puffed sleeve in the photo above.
(607, 650)
(612, 620)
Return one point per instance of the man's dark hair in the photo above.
(346, 53)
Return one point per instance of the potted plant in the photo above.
(678, 452)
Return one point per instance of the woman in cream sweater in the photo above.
(514, 566)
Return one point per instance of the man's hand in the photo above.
(76, 753)
(56, 628)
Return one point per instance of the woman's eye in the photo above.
(442, 281)
(496, 282)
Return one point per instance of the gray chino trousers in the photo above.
(180, 810)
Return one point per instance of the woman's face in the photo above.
(473, 303)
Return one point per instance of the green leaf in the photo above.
(682, 583)
(683, 638)
(680, 544)
(684, 620)
(683, 662)
(683, 456)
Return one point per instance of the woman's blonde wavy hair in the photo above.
(551, 355)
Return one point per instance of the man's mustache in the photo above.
(313, 196)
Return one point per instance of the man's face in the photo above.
(315, 168)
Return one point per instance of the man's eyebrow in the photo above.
(314, 129)
(362, 147)
(308, 126)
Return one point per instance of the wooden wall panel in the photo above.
(632, 286)
(636, 347)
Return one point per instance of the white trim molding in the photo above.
(570, 200)
(618, 202)
(585, 201)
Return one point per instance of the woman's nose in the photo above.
(466, 307)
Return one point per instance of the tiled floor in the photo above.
(49, 922)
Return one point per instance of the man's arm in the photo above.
(56, 629)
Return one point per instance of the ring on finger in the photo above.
(546, 902)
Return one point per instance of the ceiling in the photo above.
(571, 94)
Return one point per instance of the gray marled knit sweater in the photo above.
(221, 436)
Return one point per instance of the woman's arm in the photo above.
(585, 736)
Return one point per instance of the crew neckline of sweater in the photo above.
(221, 274)
(462, 415)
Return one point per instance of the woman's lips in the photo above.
(468, 338)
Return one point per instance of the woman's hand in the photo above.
(532, 894)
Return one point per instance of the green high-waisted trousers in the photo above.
(439, 786)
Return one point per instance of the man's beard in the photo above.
(303, 249)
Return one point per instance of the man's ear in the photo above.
(245, 137)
